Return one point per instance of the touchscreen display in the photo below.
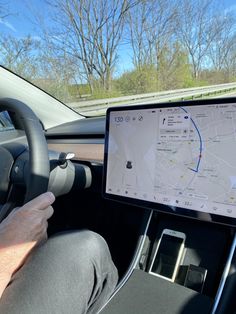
(178, 156)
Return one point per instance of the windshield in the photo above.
(92, 54)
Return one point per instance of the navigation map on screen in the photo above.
(178, 156)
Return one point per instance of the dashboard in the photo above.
(178, 158)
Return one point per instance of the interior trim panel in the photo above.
(86, 152)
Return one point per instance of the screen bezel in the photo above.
(158, 206)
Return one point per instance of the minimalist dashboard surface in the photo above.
(181, 155)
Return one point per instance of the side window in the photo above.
(5, 122)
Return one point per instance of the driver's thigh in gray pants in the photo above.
(71, 273)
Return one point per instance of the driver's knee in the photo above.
(71, 273)
(77, 242)
(84, 249)
(88, 258)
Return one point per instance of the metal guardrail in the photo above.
(100, 105)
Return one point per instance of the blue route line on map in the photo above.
(200, 139)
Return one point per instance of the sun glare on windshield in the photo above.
(92, 54)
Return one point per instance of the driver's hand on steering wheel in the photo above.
(20, 232)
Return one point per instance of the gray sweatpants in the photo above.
(71, 273)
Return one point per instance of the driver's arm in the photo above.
(20, 232)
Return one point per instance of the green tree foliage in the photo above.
(138, 81)
(174, 69)
(172, 72)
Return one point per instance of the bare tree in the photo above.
(221, 48)
(196, 29)
(151, 27)
(56, 72)
(90, 31)
(19, 55)
(137, 25)
(230, 61)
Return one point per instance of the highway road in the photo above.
(99, 107)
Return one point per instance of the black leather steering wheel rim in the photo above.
(39, 168)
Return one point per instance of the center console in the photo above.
(178, 161)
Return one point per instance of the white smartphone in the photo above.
(168, 255)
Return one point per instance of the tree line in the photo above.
(170, 44)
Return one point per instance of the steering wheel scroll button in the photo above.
(18, 173)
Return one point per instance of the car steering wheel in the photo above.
(35, 170)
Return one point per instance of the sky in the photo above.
(19, 23)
